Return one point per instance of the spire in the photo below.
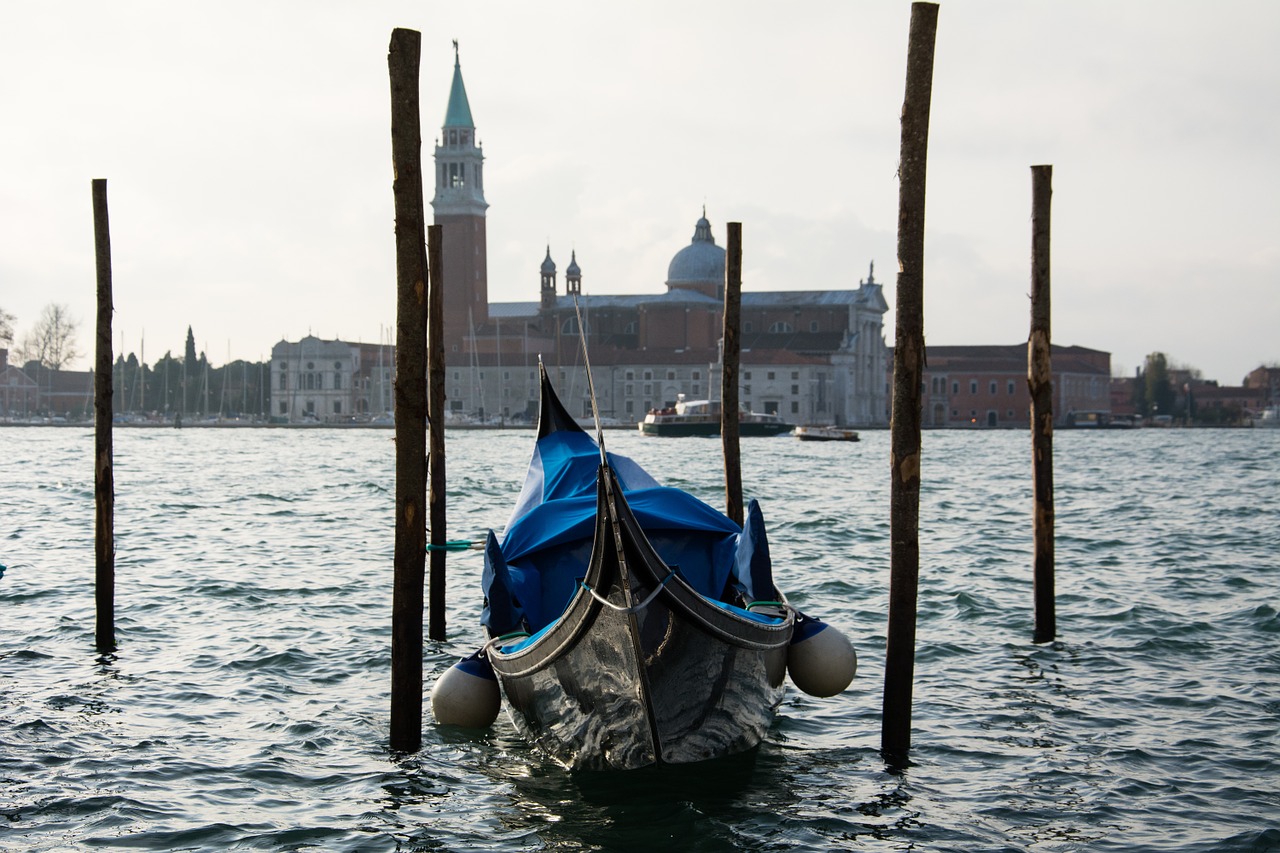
(548, 276)
(459, 112)
(573, 276)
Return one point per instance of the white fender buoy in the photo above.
(821, 660)
(466, 694)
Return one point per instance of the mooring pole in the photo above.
(729, 374)
(410, 394)
(908, 372)
(435, 418)
(1040, 383)
(103, 473)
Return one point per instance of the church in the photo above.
(811, 356)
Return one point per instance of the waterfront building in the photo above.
(330, 381)
(986, 385)
(35, 390)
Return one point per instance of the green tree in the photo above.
(190, 374)
(1158, 395)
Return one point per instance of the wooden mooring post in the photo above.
(410, 394)
(908, 369)
(729, 431)
(435, 417)
(103, 473)
(1040, 383)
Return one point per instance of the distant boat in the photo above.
(1101, 419)
(824, 433)
(1269, 419)
(702, 417)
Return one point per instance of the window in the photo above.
(1010, 387)
(630, 389)
(795, 407)
(337, 381)
(337, 365)
(955, 387)
(569, 326)
(337, 407)
(795, 374)
(629, 407)
(697, 374)
(746, 390)
(993, 386)
(771, 376)
(311, 365)
(747, 327)
(780, 327)
(671, 375)
(284, 407)
(648, 374)
(631, 374)
(813, 325)
(746, 375)
(648, 388)
(795, 389)
(284, 381)
(696, 389)
(973, 386)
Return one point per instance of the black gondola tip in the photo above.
(552, 415)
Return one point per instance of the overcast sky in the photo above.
(248, 157)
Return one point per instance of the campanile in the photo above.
(459, 208)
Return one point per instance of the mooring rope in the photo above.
(635, 608)
(458, 545)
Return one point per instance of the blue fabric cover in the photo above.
(755, 569)
(502, 613)
(547, 544)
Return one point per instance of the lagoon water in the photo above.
(247, 705)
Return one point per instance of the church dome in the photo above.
(700, 263)
(548, 265)
(573, 268)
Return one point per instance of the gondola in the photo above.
(630, 624)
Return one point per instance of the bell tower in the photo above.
(459, 207)
(573, 277)
(547, 274)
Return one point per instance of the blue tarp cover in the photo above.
(530, 578)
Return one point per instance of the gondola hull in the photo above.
(658, 674)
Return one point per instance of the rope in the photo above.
(635, 608)
(458, 545)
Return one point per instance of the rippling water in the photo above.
(247, 706)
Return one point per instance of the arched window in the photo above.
(569, 326)
(781, 327)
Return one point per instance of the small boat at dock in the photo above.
(824, 433)
(702, 417)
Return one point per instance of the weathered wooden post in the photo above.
(410, 394)
(729, 374)
(103, 473)
(435, 417)
(1040, 383)
(908, 373)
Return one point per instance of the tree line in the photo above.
(188, 385)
